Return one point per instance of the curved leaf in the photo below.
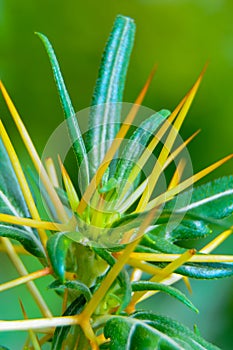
(105, 114)
(145, 285)
(28, 241)
(57, 247)
(72, 123)
(78, 286)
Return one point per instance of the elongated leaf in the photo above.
(129, 333)
(27, 239)
(104, 118)
(145, 285)
(187, 339)
(57, 247)
(211, 200)
(206, 270)
(185, 230)
(12, 202)
(72, 123)
(61, 333)
(75, 286)
(137, 143)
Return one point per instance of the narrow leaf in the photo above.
(106, 111)
(72, 123)
(145, 285)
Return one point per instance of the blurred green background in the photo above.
(181, 36)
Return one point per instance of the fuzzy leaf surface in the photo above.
(186, 339)
(72, 122)
(105, 114)
(145, 285)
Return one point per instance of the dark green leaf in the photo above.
(187, 339)
(206, 270)
(77, 286)
(72, 123)
(57, 247)
(145, 285)
(26, 238)
(106, 111)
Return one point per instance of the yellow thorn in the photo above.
(24, 279)
(165, 272)
(44, 225)
(187, 283)
(158, 168)
(34, 156)
(177, 174)
(32, 335)
(51, 170)
(23, 272)
(70, 190)
(164, 197)
(114, 147)
(216, 241)
(22, 181)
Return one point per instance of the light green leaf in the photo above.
(105, 114)
(145, 285)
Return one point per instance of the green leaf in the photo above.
(145, 285)
(61, 333)
(129, 333)
(105, 114)
(206, 270)
(187, 339)
(26, 238)
(75, 286)
(137, 143)
(57, 247)
(11, 197)
(12, 202)
(212, 200)
(72, 123)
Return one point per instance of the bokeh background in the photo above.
(181, 35)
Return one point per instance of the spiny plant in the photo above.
(110, 240)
